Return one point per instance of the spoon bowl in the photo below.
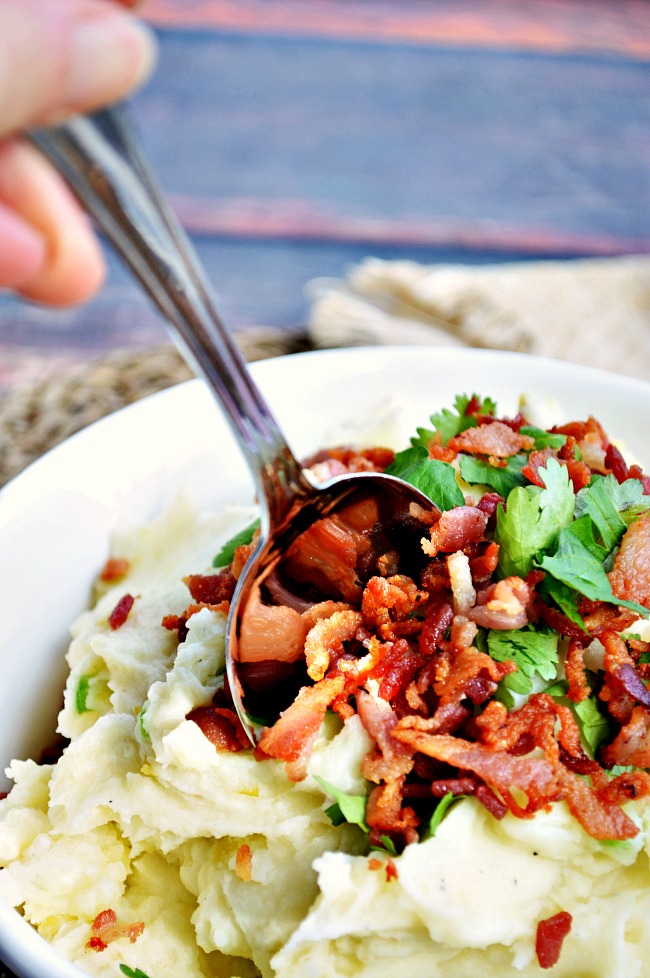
(265, 666)
(101, 159)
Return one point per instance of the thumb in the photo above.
(65, 56)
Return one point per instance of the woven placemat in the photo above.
(37, 416)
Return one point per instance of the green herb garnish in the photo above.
(132, 972)
(227, 552)
(348, 808)
(434, 478)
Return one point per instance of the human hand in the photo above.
(56, 57)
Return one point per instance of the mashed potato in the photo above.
(233, 869)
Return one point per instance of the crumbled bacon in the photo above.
(211, 588)
(105, 929)
(178, 623)
(114, 569)
(503, 605)
(386, 619)
(121, 612)
(574, 668)
(325, 640)
(388, 604)
(292, 737)
(550, 937)
(222, 727)
(579, 471)
(244, 863)
(496, 439)
(630, 576)
(456, 529)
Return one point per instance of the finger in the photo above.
(22, 250)
(71, 266)
(62, 57)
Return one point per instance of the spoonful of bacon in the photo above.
(318, 542)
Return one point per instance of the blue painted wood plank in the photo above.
(401, 133)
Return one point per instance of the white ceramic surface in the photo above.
(55, 518)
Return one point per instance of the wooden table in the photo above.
(296, 137)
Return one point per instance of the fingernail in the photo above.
(110, 54)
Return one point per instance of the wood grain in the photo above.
(537, 25)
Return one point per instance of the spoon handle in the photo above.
(100, 157)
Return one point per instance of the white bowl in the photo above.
(55, 517)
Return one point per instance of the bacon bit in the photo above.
(222, 727)
(114, 569)
(537, 460)
(579, 471)
(443, 453)
(438, 619)
(391, 870)
(324, 609)
(211, 588)
(503, 605)
(574, 668)
(385, 814)
(105, 929)
(178, 623)
(121, 611)
(631, 746)
(455, 530)
(616, 464)
(325, 640)
(244, 863)
(387, 600)
(241, 555)
(601, 818)
(292, 737)
(348, 459)
(435, 576)
(497, 439)
(483, 566)
(396, 669)
(550, 937)
(533, 775)
(488, 504)
(599, 617)
(630, 576)
(613, 693)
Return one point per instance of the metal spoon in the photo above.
(101, 159)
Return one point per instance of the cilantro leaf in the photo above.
(533, 518)
(448, 423)
(387, 845)
(594, 722)
(434, 478)
(564, 597)
(576, 563)
(351, 807)
(227, 552)
(603, 502)
(439, 813)
(533, 650)
(81, 695)
(503, 480)
(132, 972)
(543, 439)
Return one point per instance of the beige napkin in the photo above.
(590, 311)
